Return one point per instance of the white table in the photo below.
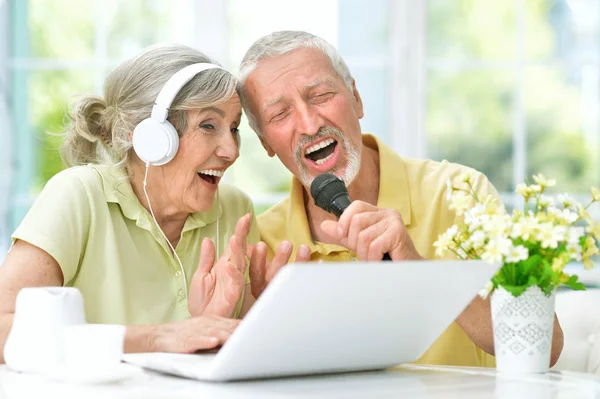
(408, 381)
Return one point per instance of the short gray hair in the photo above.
(278, 43)
(129, 95)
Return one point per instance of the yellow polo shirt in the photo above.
(109, 247)
(417, 190)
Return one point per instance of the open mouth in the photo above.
(211, 176)
(321, 152)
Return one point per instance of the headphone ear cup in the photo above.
(155, 143)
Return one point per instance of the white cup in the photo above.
(34, 344)
(93, 346)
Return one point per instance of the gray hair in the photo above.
(129, 95)
(278, 43)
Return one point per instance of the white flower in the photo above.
(496, 249)
(566, 200)
(595, 194)
(547, 236)
(543, 182)
(517, 254)
(466, 177)
(574, 234)
(574, 251)
(445, 240)
(460, 202)
(485, 291)
(535, 188)
(546, 201)
(477, 239)
(522, 189)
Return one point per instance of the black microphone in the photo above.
(330, 194)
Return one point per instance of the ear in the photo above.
(266, 146)
(358, 104)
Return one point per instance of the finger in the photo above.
(355, 207)
(282, 257)
(303, 254)
(237, 256)
(360, 222)
(258, 266)
(364, 249)
(242, 229)
(195, 343)
(330, 227)
(207, 256)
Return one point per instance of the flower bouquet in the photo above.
(533, 246)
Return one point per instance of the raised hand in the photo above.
(216, 288)
(371, 232)
(262, 271)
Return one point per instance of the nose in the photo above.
(228, 148)
(308, 120)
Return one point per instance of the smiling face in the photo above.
(209, 145)
(307, 115)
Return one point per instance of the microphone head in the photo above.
(330, 193)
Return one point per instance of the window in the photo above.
(509, 87)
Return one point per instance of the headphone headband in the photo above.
(170, 89)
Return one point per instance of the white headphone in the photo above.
(155, 139)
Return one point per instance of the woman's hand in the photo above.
(262, 271)
(187, 336)
(216, 288)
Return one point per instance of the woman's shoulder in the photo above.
(75, 178)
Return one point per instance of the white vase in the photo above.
(35, 341)
(522, 330)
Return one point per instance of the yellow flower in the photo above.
(563, 278)
(523, 190)
(559, 263)
(543, 182)
(596, 194)
(594, 229)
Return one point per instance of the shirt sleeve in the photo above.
(59, 222)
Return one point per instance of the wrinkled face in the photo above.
(209, 145)
(307, 116)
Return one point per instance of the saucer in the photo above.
(94, 374)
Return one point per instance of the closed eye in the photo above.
(321, 98)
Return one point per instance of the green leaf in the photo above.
(515, 290)
(574, 284)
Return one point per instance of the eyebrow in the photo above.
(216, 110)
(271, 102)
(319, 81)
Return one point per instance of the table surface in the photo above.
(411, 381)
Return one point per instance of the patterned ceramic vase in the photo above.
(522, 330)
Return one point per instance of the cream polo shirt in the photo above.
(108, 246)
(417, 190)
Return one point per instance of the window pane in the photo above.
(62, 28)
(471, 29)
(469, 121)
(135, 24)
(50, 94)
(562, 30)
(563, 125)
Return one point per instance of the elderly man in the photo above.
(303, 103)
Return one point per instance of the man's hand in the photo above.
(262, 271)
(216, 290)
(188, 336)
(371, 232)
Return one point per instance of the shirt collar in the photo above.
(117, 189)
(393, 194)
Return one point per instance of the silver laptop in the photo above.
(336, 317)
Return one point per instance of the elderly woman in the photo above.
(132, 223)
